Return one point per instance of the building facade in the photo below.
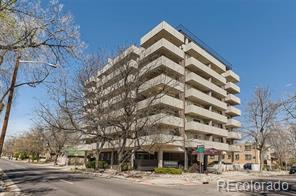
(250, 154)
(201, 104)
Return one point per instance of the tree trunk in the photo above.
(185, 159)
(260, 159)
(119, 169)
(97, 159)
(55, 160)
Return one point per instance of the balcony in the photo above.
(234, 148)
(91, 82)
(208, 144)
(203, 84)
(117, 87)
(164, 119)
(207, 129)
(162, 30)
(232, 99)
(161, 100)
(204, 99)
(206, 58)
(233, 111)
(117, 73)
(232, 88)
(113, 63)
(204, 113)
(234, 135)
(206, 71)
(160, 63)
(159, 81)
(166, 48)
(232, 123)
(231, 76)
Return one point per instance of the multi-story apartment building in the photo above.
(201, 105)
(250, 154)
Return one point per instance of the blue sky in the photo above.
(258, 37)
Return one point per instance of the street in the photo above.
(41, 180)
(34, 180)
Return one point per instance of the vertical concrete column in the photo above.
(232, 157)
(112, 159)
(211, 108)
(160, 158)
(85, 158)
(211, 123)
(132, 159)
(224, 139)
(211, 138)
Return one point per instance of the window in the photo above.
(248, 157)
(229, 156)
(237, 157)
(248, 147)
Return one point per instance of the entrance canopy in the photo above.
(209, 151)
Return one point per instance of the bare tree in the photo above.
(115, 108)
(135, 111)
(292, 140)
(30, 32)
(260, 114)
(51, 127)
(88, 103)
(279, 141)
(289, 106)
(69, 95)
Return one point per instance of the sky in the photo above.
(258, 37)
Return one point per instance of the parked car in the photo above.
(248, 166)
(292, 170)
(213, 167)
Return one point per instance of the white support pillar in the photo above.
(132, 159)
(112, 159)
(160, 158)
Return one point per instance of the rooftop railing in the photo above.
(203, 45)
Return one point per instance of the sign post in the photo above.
(200, 150)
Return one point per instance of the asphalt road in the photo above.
(34, 180)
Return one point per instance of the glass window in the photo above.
(248, 157)
(248, 147)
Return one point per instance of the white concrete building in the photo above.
(202, 102)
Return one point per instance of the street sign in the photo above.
(200, 149)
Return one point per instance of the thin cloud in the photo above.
(289, 85)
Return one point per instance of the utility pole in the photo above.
(9, 102)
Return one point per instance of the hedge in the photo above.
(92, 164)
(167, 171)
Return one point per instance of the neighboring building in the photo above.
(203, 103)
(249, 154)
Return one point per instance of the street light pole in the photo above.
(10, 96)
(9, 103)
